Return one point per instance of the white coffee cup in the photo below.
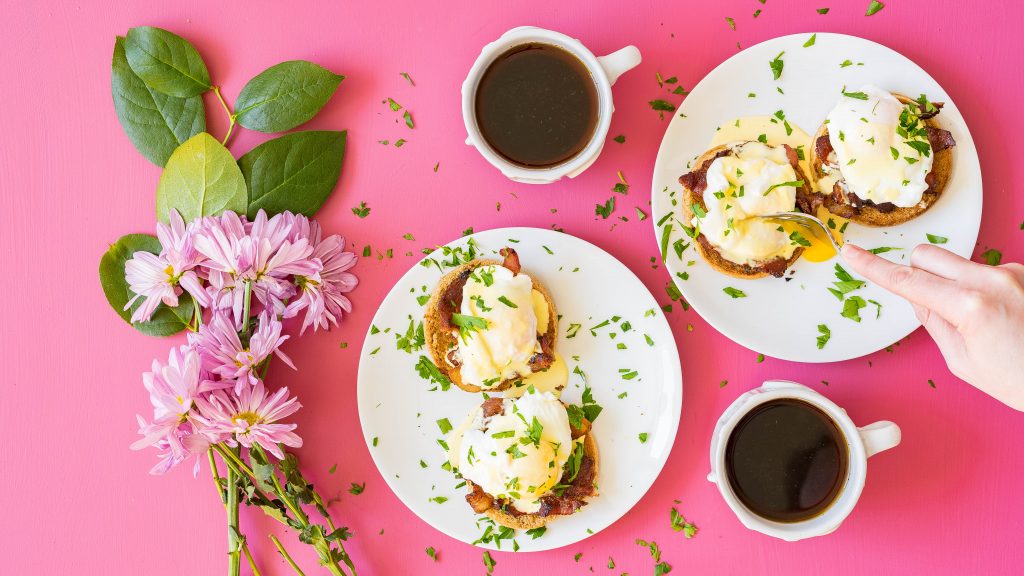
(604, 70)
(861, 443)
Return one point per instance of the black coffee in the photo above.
(786, 460)
(536, 105)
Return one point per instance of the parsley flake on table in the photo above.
(680, 524)
(357, 489)
(395, 106)
(407, 77)
(605, 210)
(621, 139)
(362, 210)
(992, 257)
(489, 562)
(822, 11)
(661, 106)
(408, 119)
(732, 23)
(874, 8)
(432, 553)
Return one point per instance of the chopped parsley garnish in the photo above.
(992, 257)
(640, 214)
(846, 283)
(504, 434)
(936, 239)
(488, 562)
(605, 210)
(399, 142)
(810, 41)
(643, 437)
(661, 106)
(430, 549)
(444, 425)
(680, 524)
(852, 306)
(883, 249)
(507, 302)
(735, 293)
(855, 95)
(536, 532)
(409, 78)
(732, 24)
(573, 329)
(357, 489)
(822, 10)
(825, 335)
(362, 210)
(874, 7)
(776, 66)
(620, 139)
(798, 239)
(698, 211)
(431, 373)
(395, 106)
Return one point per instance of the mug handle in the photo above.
(879, 437)
(619, 62)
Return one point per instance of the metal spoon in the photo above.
(805, 220)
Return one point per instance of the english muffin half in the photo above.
(724, 194)
(488, 325)
(880, 159)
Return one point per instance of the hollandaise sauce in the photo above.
(775, 131)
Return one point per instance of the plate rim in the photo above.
(661, 157)
(674, 378)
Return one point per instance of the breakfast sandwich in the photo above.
(525, 460)
(880, 159)
(488, 325)
(728, 189)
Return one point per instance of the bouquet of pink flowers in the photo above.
(243, 278)
(235, 256)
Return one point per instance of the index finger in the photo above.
(920, 287)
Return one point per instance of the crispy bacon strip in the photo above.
(479, 500)
(511, 260)
(940, 139)
(493, 406)
(697, 180)
(822, 147)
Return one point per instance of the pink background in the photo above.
(75, 499)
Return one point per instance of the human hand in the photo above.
(974, 312)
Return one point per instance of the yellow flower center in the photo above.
(249, 418)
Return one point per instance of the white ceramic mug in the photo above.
(604, 70)
(861, 443)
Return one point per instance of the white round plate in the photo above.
(399, 411)
(780, 318)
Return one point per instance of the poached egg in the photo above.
(514, 313)
(754, 180)
(518, 454)
(877, 161)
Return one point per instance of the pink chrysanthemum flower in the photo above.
(173, 389)
(224, 354)
(259, 253)
(160, 277)
(251, 417)
(323, 295)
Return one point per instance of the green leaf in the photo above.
(874, 7)
(936, 239)
(285, 95)
(201, 179)
(295, 172)
(166, 62)
(165, 320)
(155, 122)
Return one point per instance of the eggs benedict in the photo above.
(525, 460)
(723, 196)
(489, 326)
(880, 159)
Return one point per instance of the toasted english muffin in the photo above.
(442, 336)
(840, 203)
(694, 184)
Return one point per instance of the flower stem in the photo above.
(248, 556)
(232, 117)
(234, 561)
(286, 556)
(216, 477)
(245, 309)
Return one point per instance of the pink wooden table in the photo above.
(76, 500)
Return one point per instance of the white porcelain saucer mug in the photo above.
(861, 443)
(604, 70)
